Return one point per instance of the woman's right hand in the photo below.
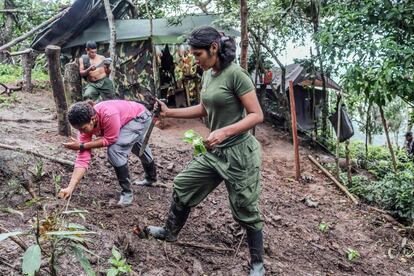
(163, 106)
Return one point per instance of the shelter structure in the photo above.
(176, 76)
(307, 91)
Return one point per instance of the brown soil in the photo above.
(294, 244)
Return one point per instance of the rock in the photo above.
(197, 268)
(310, 202)
(170, 166)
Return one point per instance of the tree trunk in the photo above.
(112, 40)
(73, 86)
(244, 34)
(384, 122)
(156, 91)
(367, 129)
(348, 163)
(410, 121)
(53, 57)
(6, 32)
(27, 64)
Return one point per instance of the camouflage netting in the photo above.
(134, 78)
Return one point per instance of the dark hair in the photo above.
(203, 37)
(80, 113)
(91, 45)
(409, 134)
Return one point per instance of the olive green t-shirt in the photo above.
(220, 97)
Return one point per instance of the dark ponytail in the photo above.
(203, 37)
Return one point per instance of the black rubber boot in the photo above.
(150, 170)
(122, 173)
(255, 241)
(177, 216)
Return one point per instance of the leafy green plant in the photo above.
(323, 227)
(119, 265)
(196, 140)
(7, 101)
(57, 181)
(54, 236)
(352, 254)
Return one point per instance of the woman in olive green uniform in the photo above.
(229, 100)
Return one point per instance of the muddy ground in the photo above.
(293, 211)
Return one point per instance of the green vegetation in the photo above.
(196, 140)
(10, 73)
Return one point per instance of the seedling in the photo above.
(119, 266)
(323, 227)
(352, 254)
(196, 140)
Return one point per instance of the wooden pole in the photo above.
(387, 135)
(338, 134)
(32, 31)
(294, 129)
(337, 183)
(53, 57)
(28, 60)
(112, 40)
(73, 86)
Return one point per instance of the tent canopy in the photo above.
(139, 29)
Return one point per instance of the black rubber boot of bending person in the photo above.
(177, 216)
(255, 241)
(122, 173)
(150, 179)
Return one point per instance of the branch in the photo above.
(13, 11)
(270, 51)
(56, 159)
(17, 240)
(202, 5)
(32, 31)
(286, 12)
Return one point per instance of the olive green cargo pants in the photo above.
(101, 90)
(239, 167)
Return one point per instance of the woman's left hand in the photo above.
(215, 138)
(73, 145)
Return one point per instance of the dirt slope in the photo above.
(294, 244)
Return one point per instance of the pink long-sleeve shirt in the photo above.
(112, 116)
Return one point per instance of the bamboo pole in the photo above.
(112, 37)
(294, 129)
(337, 183)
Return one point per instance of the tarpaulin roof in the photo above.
(139, 29)
(297, 74)
(78, 17)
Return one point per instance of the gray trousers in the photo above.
(130, 139)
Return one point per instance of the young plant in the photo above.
(58, 181)
(324, 227)
(352, 254)
(196, 140)
(54, 236)
(119, 266)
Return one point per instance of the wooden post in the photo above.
(294, 129)
(112, 35)
(387, 135)
(338, 134)
(27, 63)
(53, 57)
(73, 86)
